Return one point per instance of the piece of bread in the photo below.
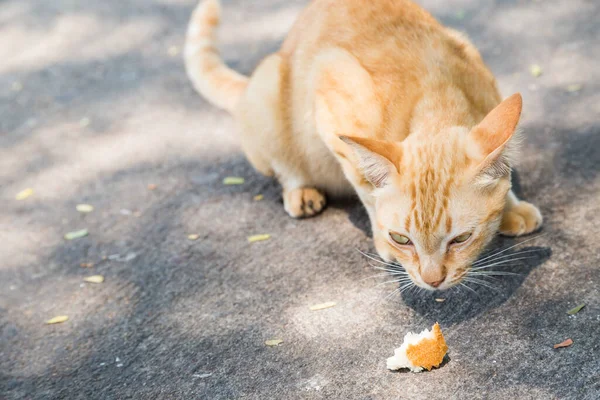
(420, 351)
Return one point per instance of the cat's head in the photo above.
(439, 198)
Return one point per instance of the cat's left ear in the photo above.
(378, 160)
(490, 145)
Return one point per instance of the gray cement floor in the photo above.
(95, 106)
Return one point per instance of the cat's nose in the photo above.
(434, 277)
(434, 283)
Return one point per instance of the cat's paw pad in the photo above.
(520, 220)
(303, 202)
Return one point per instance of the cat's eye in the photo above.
(461, 238)
(400, 239)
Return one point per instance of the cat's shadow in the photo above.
(482, 292)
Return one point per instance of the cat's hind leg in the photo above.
(268, 142)
(258, 114)
(519, 217)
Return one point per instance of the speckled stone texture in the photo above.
(95, 106)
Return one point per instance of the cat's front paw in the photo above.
(303, 202)
(520, 220)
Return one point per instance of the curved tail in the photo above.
(218, 83)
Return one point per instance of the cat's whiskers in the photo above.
(468, 287)
(475, 275)
(390, 264)
(492, 273)
(392, 272)
(415, 289)
(400, 280)
(392, 294)
(385, 274)
(406, 286)
(485, 276)
(480, 282)
(505, 256)
(511, 247)
(396, 268)
(400, 289)
(499, 263)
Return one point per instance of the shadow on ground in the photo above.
(482, 293)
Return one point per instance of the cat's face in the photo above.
(434, 218)
(439, 198)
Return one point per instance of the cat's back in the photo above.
(365, 28)
(403, 47)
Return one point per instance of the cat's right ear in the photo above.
(377, 159)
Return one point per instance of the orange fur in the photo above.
(380, 99)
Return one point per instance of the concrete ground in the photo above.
(95, 106)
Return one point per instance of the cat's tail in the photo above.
(214, 80)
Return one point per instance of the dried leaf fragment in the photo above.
(322, 306)
(23, 194)
(566, 343)
(193, 236)
(576, 87)
(440, 300)
(84, 208)
(258, 238)
(76, 234)
(535, 70)
(94, 279)
(120, 258)
(575, 310)
(128, 257)
(233, 180)
(57, 320)
(273, 342)
(258, 197)
(86, 265)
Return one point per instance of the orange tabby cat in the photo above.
(378, 98)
